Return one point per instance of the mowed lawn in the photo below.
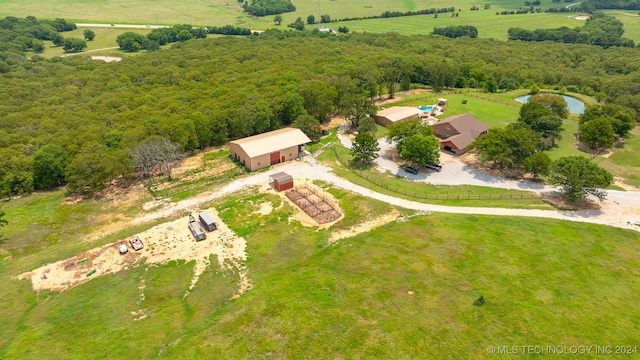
(487, 108)
(488, 24)
(625, 159)
(220, 12)
(403, 290)
(168, 12)
(105, 39)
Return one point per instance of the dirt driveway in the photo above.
(454, 172)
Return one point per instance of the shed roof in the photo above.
(272, 141)
(282, 178)
(397, 113)
(206, 217)
(466, 123)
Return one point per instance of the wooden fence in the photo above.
(431, 196)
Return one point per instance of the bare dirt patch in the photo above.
(265, 209)
(559, 202)
(107, 58)
(581, 17)
(315, 203)
(618, 181)
(384, 99)
(299, 215)
(163, 243)
(363, 227)
(605, 153)
(190, 163)
(490, 168)
(336, 121)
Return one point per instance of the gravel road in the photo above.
(622, 208)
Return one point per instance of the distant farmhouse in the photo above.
(396, 114)
(259, 151)
(456, 133)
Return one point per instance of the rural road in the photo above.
(124, 26)
(90, 51)
(622, 208)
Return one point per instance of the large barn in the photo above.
(456, 133)
(396, 114)
(259, 151)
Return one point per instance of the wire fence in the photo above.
(314, 203)
(419, 195)
(490, 99)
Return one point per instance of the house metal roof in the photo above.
(465, 123)
(271, 141)
(397, 113)
(460, 141)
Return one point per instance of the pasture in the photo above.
(222, 12)
(488, 24)
(105, 39)
(404, 289)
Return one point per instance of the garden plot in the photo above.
(163, 243)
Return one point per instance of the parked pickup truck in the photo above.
(411, 169)
(136, 243)
(435, 167)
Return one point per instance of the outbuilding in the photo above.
(207, 221)
(196, 229)
(282, 181)
(396, 114)
(260, 151)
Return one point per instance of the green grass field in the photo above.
(500, 109)
(399, 187)
(400, 291)
(490, 109)
(625, 160)
(219, 12)
(488, 24)
(105, 38)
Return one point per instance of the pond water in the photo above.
(574, 105)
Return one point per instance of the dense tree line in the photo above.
(591, 5)
(601, 30)
(392, 14)
(130, 41)
(268, 7)
(84, 117)
(21, 35)
(454, 31)
(227, 30)
(521, 146)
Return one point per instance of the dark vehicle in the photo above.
(196, 229)
(436, 167)
(207, 221)
(410, 169)
(136, 243)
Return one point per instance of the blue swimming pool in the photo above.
(426, 108)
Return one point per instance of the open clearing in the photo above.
(162, 244)
(395, 282)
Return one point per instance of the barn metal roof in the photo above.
(272, 141)
(397, 113)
